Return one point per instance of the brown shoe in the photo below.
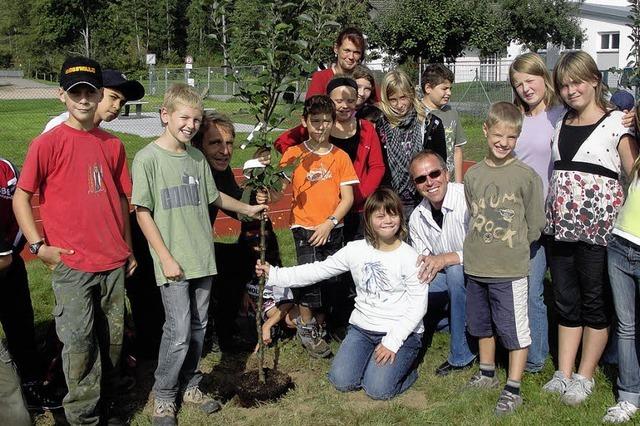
(195, 396)
(164, 413)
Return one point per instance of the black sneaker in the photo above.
(38, 397)
(338, 333)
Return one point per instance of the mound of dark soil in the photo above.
(251, 392)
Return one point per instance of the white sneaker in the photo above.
(577, 390)
(558, 383)
(620, 413)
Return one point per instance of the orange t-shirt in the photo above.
(316, 183)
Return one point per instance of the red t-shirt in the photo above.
(10, 236)
(81, 177)
(319, 81)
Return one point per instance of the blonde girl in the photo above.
(590, 149)
(405, 129)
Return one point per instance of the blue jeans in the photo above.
(450, 284)
(354, 365)
(624, 273)
(185, 307)
(538, 322)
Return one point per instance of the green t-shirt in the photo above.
(506, 216)
(178, 188)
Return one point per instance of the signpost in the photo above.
(188, 66)
(151, 62)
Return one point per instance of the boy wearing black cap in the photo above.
(117, 91)
(81, 174)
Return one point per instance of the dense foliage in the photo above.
(36, 35)
(444, 29)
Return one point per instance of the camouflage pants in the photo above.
(12, 405)
(89, 315)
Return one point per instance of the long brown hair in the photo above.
(635, 170)
(532, 63)
(388, 201)
(580, 66)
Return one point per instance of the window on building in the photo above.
(575, 44)
(610, 41)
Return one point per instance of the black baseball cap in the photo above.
(131, 89)
(80, 70)
(623, 100)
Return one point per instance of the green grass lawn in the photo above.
(432, 400)
(22, 120)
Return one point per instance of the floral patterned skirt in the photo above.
(582, 206)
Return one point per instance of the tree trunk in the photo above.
(263, 250)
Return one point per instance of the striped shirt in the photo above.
(427, 237)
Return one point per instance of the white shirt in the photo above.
(56, 121)
(601, 146)
(390, 299)
(426, 235)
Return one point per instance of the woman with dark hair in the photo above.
(367, 94)
(349, 49)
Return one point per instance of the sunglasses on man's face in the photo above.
(431, 175)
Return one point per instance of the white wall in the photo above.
(591, 44)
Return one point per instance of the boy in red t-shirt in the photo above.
(322, 196)
(81, 174)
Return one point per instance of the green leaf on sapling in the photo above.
(246, 198)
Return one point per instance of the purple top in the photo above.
(534, 144)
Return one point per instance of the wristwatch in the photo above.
(35, 247)
(333, 220)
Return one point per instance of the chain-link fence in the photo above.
(27, 105)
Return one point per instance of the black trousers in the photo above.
(16, 316)
(581, 285)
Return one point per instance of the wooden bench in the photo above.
(138, 105)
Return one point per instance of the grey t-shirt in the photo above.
(177, 188)
(453, 132)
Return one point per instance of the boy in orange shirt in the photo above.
(322, 196)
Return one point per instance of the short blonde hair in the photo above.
(504, 113)
(579, 66)
(181, 94)
(532, 63)
(398, 81)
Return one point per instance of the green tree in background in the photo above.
(444, 29)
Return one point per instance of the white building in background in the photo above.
(606, 39)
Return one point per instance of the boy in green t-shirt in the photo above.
(504, 197)
(172, 189)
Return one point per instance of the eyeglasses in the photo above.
(431, 175)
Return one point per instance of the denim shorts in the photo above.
(311, 296)
(499, 308)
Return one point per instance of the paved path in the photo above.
(21, 88)
(148, 125)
